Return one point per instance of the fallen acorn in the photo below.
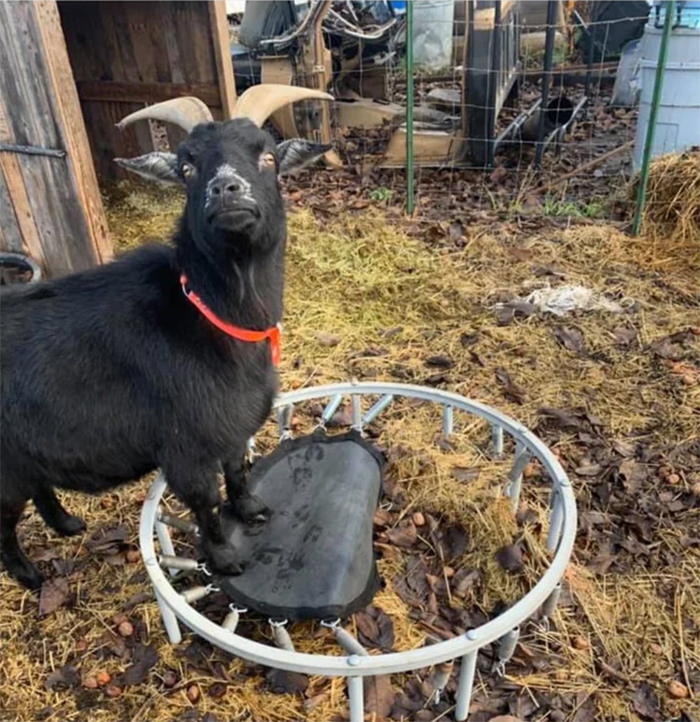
(688, 379)
(126, 629)
(103, 678)
(673, 479)
(81, 645)
(656, 649)
(695, 489)
(449, 572)
(193, 693)
(418, 519)
(579, 643)
(133, 556)
(677, 689)
(119, 617)
(530, 470)
(90, 683)
(113, 691)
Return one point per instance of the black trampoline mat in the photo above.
(315, 557)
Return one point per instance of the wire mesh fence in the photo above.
(516, 108)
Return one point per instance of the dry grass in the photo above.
(393, 303)
(672, 207)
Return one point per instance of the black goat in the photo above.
(111, 373)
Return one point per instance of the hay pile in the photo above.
(672, 206)
(364, 300)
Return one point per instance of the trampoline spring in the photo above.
(515, 477)
(183, 525)
(497, 440)
(447, 421)
(439, 679)
(284, 421)
(197, 593)
(506, 647)
(330, 409)
(182, 564)
(281, 635)
(356, 404)
(550, 603)
(349, 643)
(230, 623)
(377, 409)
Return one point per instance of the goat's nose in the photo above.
(226, 188)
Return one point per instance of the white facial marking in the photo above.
(228, 172)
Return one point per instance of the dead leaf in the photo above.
(54, 593)
(510, 558)
(62, 678)
(144, 657)
(464, 580)
(644, 701)
(284, 682)
(624, 336)
(510, 390)
(375, 628)
(453, 542)
(570, 338)
(633, 475)
(465, 474)
(443, 362)
(326, 339)
(404, 534)
(107, 540)
(379, 696)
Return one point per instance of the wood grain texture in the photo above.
(222, 56)
(147, 93)
(71, 127)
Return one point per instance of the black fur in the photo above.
(111, 373)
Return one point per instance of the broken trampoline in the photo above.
(314, 559)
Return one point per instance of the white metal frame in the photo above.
(560, 540)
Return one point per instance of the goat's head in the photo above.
(230, 169)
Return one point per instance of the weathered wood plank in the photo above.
(222, 56)
(10, 233)
(67, 112)
(124, 92)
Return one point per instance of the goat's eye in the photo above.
(187, 170)
(267, 160)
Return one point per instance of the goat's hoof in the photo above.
(225, 560)
(28, 576)
(71, 525)
(249, 509)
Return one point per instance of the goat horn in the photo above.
(184, 112)
(261, 101)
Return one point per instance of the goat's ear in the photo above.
(157, 166)
(295, 154)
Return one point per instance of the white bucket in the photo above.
(678, 115)
(432, 32)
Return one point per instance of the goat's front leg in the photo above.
(199, 489)
(241, 503)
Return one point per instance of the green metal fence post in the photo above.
(410, 201)
(651, 128)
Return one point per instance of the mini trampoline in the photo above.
(323, 491)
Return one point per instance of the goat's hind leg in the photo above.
(199, 489)
(16, 562)
(55, 515)
(241, 503)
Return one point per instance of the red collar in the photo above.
(240, 334)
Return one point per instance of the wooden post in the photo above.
(58, 218)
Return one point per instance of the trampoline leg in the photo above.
(556, 520)
(170, 623)
(465, 686)
(356, 698)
